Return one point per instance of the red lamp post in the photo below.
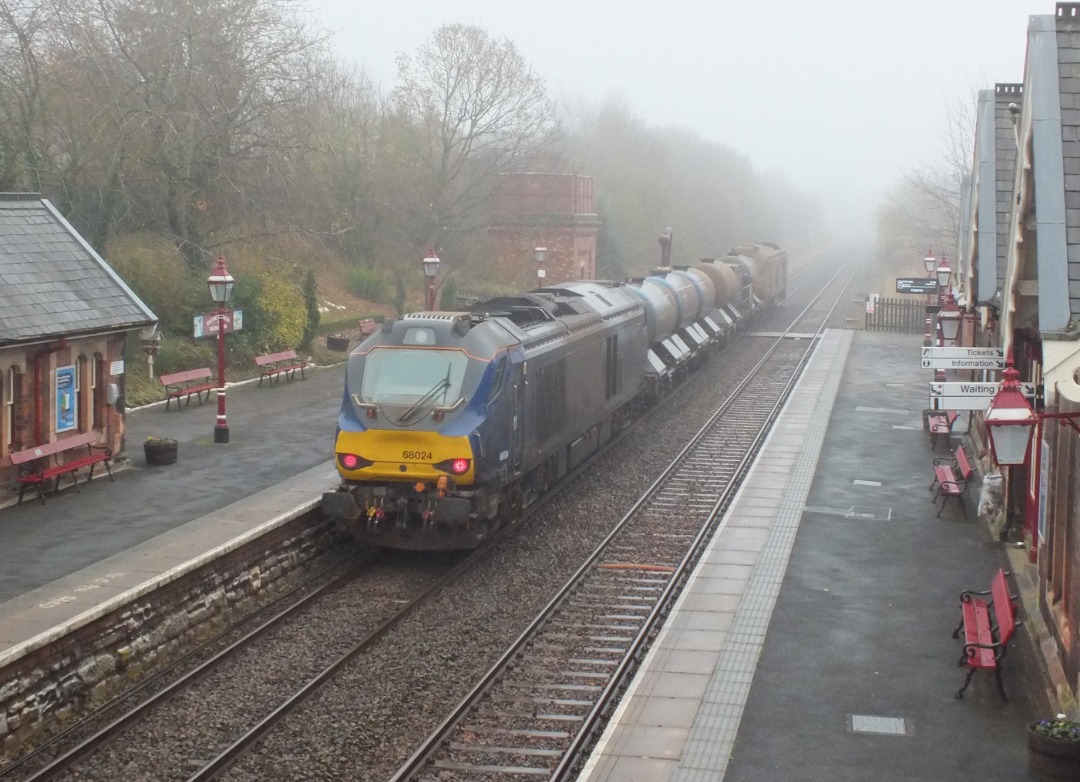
(431, 268)
(944, 277)
(949, 320)
(1011, 425)
(220, 283)
(929, 263)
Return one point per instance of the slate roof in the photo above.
(53, 282)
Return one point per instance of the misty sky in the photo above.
(838, 95)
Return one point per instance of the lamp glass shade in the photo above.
(944, 274)
(950, 326)
(431, 263)
(540, 254)
(929, 263)
(1010, 440)
(220, 283)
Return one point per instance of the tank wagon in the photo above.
(453, 422)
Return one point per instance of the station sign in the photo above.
(208, 325)
(963, 358)
(916, 285)
(970, 396)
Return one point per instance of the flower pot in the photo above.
(338, 342)
(164, 452)
(1052, 758)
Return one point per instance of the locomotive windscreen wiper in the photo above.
(439, 388)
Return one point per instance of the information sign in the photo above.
(207, 325)
(916, 285)
(969, 396)
(963, 358)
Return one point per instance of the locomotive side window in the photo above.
(399, 376)
(497, 381)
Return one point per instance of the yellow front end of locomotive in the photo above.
(415, 456)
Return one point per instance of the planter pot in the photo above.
(338, 342)
(1053, 758)
(161, 453)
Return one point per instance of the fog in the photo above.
(839, 97)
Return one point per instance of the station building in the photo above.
(1018, 281)
(64, 318)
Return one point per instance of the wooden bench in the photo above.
(272, 365)
(187, 383)
(35, 468)
(951, 476)
(986, 636)
(939, 424)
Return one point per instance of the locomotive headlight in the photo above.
(454, 466)
(350, 461)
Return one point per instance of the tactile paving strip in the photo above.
(711, 738)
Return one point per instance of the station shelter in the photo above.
(65, 316)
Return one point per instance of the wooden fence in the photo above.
(902, 315)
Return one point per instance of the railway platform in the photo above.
(813, 644)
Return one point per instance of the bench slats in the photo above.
(274, 365)
(190, 382)
(951, 476)
(34, 467)
(986, 641)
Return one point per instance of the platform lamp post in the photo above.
(944, 277)
(431, 268)
(540, 254)
(1011, 425)
(930, 264)
(949, 321)
(220, 283)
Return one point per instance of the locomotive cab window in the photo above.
(399, 376)
(497, 381)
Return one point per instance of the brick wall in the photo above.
(543, 210)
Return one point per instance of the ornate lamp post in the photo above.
(944, 277)
(431, 268)
(949, 320)
(540, 254)
(220, 283)
(929, 263)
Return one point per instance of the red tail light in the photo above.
(454, 466)
(350, 461)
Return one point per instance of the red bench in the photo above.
(35, 468)
(939, 424)
(951, 476)
(285, 363)
(187, 383)
(986, 639)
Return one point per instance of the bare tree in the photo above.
(192, 96)
(923, 209)
(477, 109)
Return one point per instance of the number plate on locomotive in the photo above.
(416, 455)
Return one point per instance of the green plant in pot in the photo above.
(1054, 748)
(160, 450)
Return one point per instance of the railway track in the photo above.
(542, 705)
(638, 575)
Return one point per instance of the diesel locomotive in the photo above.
(453, 422)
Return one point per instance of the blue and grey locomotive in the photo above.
(453, 422)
